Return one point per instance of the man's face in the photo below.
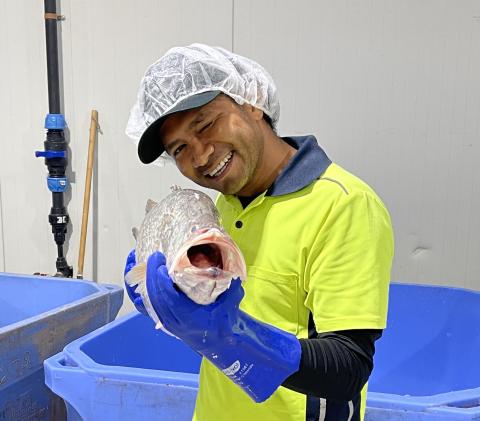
(219, 146)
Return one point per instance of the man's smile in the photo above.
(220, 167)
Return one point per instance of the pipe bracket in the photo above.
(54, 16)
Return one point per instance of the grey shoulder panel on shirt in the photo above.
(336, 182)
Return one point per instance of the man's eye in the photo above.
(205, 127)
(178, 150)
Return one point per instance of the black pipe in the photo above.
(55, 153)
(52, 57)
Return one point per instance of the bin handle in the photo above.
(62, 379)
(54, 367)
(58, 361)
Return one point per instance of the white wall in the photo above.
(2, 248)
(390, 89)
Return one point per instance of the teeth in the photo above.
(221, 165)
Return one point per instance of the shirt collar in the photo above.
(306, 166)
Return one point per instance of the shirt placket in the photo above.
(237, 226)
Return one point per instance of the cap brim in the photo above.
(150, 146)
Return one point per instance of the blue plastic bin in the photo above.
(38, 317)
(427, 363)
(128, 371)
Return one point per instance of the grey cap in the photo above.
(150, 146)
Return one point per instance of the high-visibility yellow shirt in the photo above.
(325, 250)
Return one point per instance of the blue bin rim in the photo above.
(73, 355)
(434, 286)
(388, 400)
(102, 289)
(442, 402)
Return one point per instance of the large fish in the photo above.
(201, 258)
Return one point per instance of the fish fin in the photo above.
(135, 233)
(175, 187)
(137, 274)
(150, 205)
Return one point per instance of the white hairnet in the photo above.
(186, 71)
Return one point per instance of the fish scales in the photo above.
(172, 222)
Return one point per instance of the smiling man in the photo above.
(296, 341)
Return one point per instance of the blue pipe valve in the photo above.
(55, 184)
(51, 154)
(55, 122)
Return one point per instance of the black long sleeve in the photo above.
(335, 365)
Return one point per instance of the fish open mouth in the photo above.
(205, 256)
(209, 255)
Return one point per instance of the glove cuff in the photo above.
(258, 357)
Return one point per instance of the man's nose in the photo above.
(201, 153)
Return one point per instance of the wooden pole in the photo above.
(88, 187)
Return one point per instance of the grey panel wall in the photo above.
(107, 46)
(390, 89)
(23, 105)
(2, 247)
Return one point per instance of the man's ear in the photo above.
(258, 114)
(254, 112)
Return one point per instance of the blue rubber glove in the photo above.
(134, 296)
(256, 356)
